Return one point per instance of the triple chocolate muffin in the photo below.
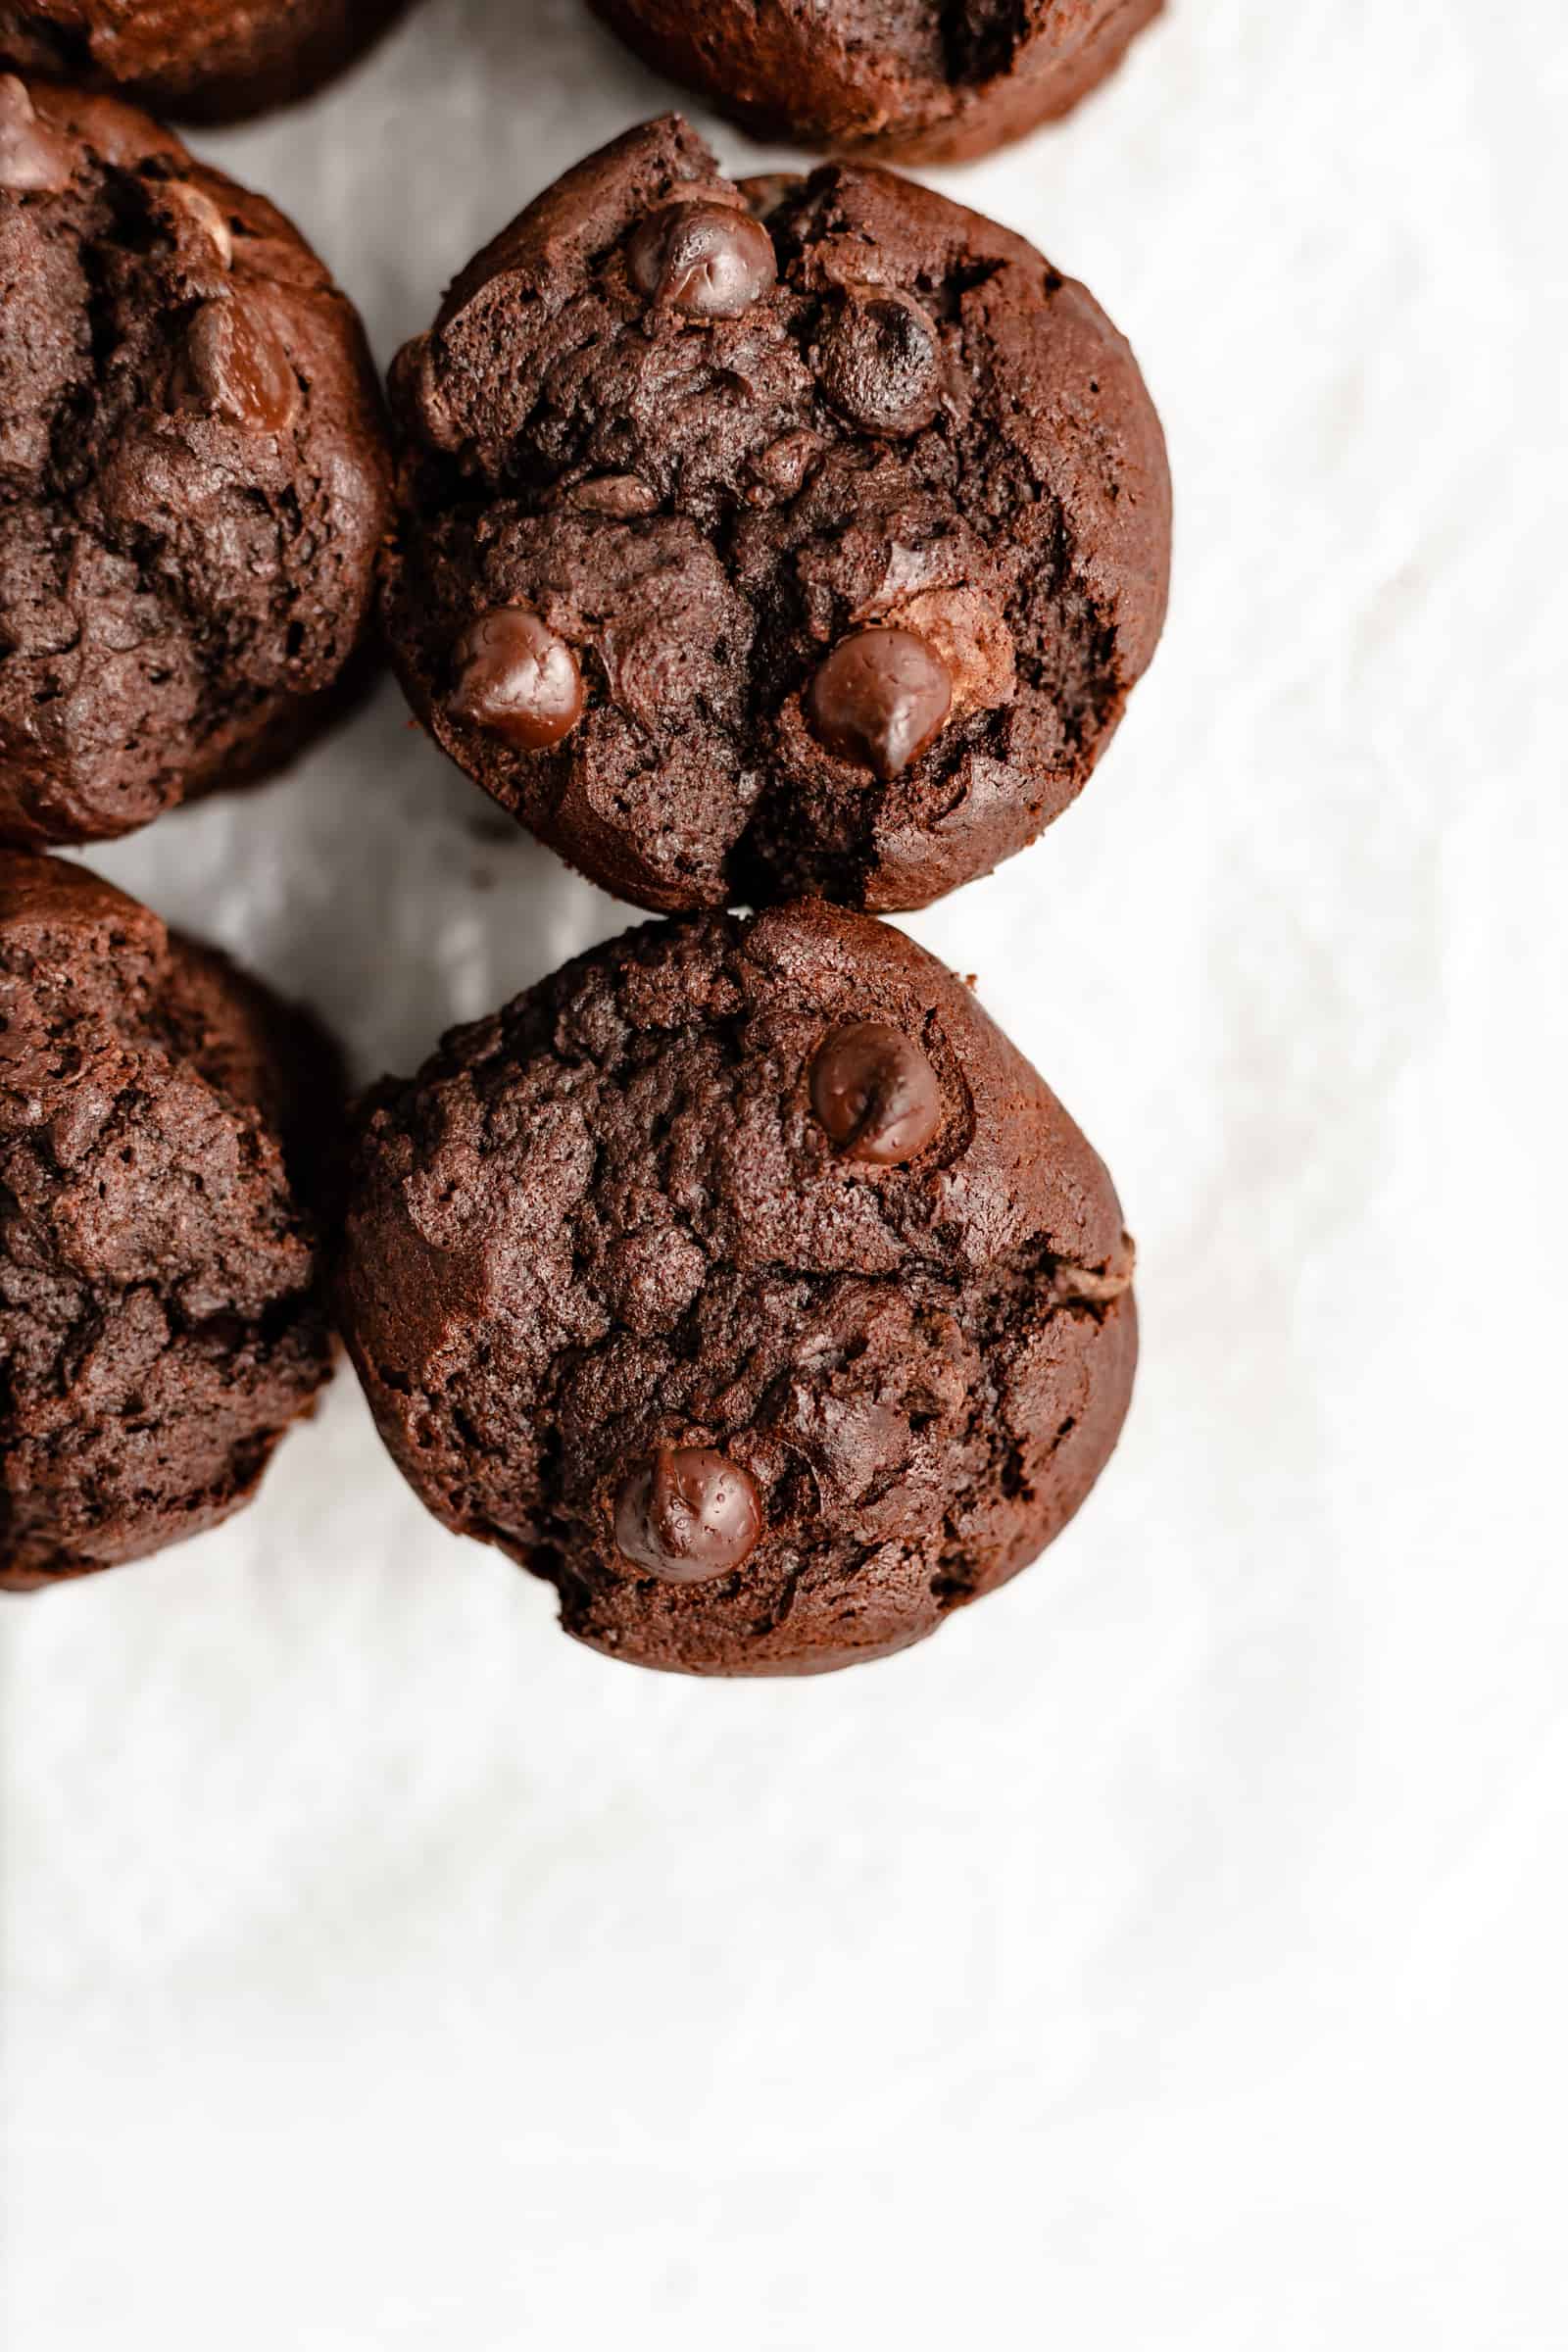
(163, 1124)
(934, 79)
(803, 537)
(193, 474)
(211, 60)
(743, 1281)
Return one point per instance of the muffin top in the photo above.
(208, 61)
(193, 479)
(902, 79)
(800, 537)
(746, 1283)
(163, 1120)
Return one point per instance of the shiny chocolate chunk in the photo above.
(880, 361)
(879, 699)
(516, 678)
(875, 1093)
(709, 260)
(237, 369)
(687, 1514)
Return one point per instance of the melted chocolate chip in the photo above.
(687, 1514)
(516, 678)
(875, 1093)
(879, 699)
(235, 367)
(707, 260)
(880, 363)
(35, 158)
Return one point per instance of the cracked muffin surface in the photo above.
(933, 79)
(163, 1125)
(193, 474)
(804, 536)
(744, 1282)
(211, 60)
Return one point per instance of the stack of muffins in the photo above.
(789, 545)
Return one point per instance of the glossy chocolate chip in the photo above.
(880, 361)
(709, 260)
(686, 1514)
(516, 678)
(875, 1093)
(235, 367)
(879, 699)
(35, 158)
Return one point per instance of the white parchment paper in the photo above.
(1172, 1953)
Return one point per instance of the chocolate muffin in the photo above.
(210, 61)
(746, 1283)
(163, 1121)
(193, 474)
(933, 79)
(804, 538)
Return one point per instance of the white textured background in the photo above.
(1173, 1954)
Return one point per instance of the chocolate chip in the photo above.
(194, 206)
(35, 158)
(880, 363)
(687, 1514)
(707, 260)
(875, 1093)
(619, 495)
(235, 367)
(879, 699)
(516, 678)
